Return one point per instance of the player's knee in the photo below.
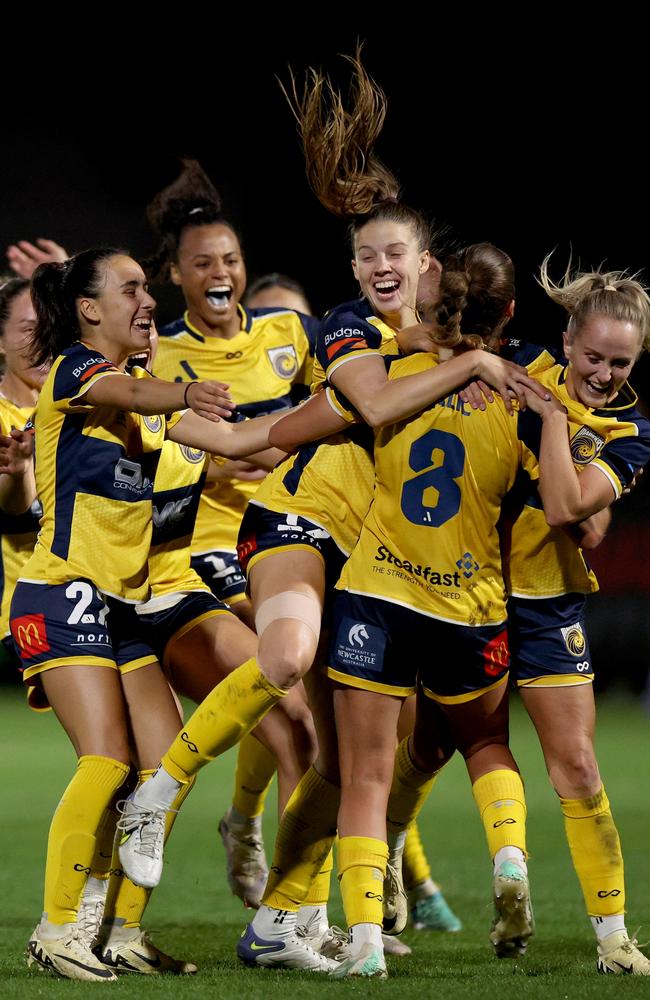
(288, 626)
(576, 775)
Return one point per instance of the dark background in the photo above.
(530, 134)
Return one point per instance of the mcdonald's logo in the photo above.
(496, 655)
(30, 635)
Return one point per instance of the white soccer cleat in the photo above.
(90, 914)
(394, 946)
(513, 920)
(246, 864)
(142, 837)
(288, 952)
(396, 907)
(369, 963)
(69, 956)
(618, 956)
(330, 941)
(132, 951)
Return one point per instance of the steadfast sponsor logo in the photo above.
(30, 635)
(468, 565)
(417, 570)
(361, 645)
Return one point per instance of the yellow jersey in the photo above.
(95, 468)
(545, 562)
(430, 540)
(17, 532)
(330, 482)
(268, 366)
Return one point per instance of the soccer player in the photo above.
(19, 387)
(277, 291)
(306, 516)
(265, 356)
(593, 441)
(98, 438)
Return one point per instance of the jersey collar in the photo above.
(245, 318)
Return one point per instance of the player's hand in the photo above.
(24, 257)
(633, 482)
(16, 451)
(508, 379)
(209, 399)
(543, 405)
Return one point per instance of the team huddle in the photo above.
(280, 507)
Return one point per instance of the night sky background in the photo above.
(528, 131)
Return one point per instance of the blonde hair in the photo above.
(615, 294)
(338, 140)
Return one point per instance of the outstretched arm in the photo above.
(248, 438)
(17, 485)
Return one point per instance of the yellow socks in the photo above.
(303, 842)
(362, 869)
(596, 852)
(73, 831)
(255, 769)
(319, 890)
(408, 792)
(230, 711)
(500, 798)
(125, 901)
(414, 861)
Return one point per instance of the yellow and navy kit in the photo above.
(350, 331)
(429, 541)
(268, 366)
(543, 561)
(17, 532)
(177, 490)
(330, 482)
(95, 468)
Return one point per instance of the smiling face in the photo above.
(601, 354)
(15, 342)
(118, 319)
(387, 264)
(210, 270)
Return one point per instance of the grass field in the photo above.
(193, 915)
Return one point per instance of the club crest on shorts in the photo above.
(574, 639)
(585, 446)
(284, 360)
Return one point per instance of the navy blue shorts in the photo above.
(373, 644)
(221, 572)
(161, 627)
(548, 641)
(73, 622)
(264, 532)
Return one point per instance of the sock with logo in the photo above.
(73, 831)
(596, 853)
(303, 841)
(501, 803)
(230, 711)
(362, 869)
(125, 901)
(253, 776)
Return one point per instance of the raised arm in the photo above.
(17, 485)
(246, 439)
(151, 395)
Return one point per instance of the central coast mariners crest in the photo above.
(193, 455)
(574, 639)
(153, 423)
(585, 446)
(284, 360)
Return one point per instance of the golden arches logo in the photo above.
(574, 639)
(30, 635)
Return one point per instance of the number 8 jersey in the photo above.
(429, 541)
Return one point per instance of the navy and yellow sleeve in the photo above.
(345, 335)
(534, 357)
(76, 371)
(622, 458)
